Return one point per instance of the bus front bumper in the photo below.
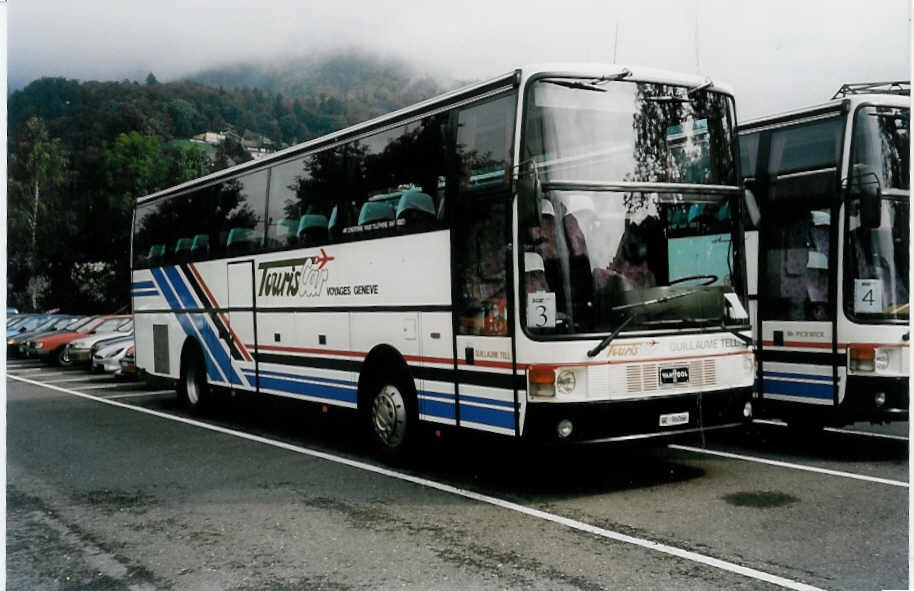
(631, 420)
(876, 399)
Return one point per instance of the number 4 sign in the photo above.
(868, 296)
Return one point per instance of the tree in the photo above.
(135, 165)
(38, 168)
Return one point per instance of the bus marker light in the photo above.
(325, 409)
(862, 358)
(542, 380)
(879, 399)
(564, 428)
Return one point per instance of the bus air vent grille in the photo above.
(710, 372)
(649, 371)
(633, 378)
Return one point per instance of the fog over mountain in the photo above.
(777, 54)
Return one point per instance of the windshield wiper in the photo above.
(659, 300)
(635, 308)
(748, 340)
(575, 84)
(667, 98)
(706, 84)
(611, 336)
(591, 84)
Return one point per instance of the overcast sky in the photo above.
(777, 54)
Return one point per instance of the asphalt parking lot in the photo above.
(111, 485)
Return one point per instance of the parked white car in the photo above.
(79, 350)
(107, 357)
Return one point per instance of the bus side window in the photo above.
(481, 271)
(243, 201)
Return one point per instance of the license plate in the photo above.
(672, 419)
(674, 375)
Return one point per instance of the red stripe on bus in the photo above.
(496, 364)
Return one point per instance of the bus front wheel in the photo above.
(391, 418)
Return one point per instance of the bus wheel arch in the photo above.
(193, 388)
(387, 402)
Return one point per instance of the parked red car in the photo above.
(52, 347)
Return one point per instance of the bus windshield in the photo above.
(632, 208)
(878, 261)
(652, 260)
(630, 132)
(881, 142)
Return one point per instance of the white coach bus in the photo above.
(832, 240)
(555, 254)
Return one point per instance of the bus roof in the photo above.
(448, 100)
(849, 102)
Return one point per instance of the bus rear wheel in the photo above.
(193, 389)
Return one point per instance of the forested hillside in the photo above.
(81, 152)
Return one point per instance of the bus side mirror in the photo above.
(529, 196)
(864, 185)
(752, 207)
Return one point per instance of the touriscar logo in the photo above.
(303, 277)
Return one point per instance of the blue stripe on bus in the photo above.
(291, 376)
(436, 408)
(796, 376)
(487, 416)
(315, 390)
(142, 285)
(209, 337)
(139, 294)
(211, 368)
(492, 401)
(823, 391)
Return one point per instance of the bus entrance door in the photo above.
(796, 307)
(241, 331)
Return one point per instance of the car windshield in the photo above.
(109, 325)
(878, 263)
(629, 132)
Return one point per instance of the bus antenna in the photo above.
(616, 42)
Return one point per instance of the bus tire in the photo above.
(193, 389)
(391, 415)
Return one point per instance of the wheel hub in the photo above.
(388, 416)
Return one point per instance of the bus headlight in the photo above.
(565, 381)
(881, 359)
(545, 381)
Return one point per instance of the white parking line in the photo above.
(689, 555)
(792, 466)
(140, 394)
(777, 423)
(79, 379)
(23, 371)
(98, 387)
